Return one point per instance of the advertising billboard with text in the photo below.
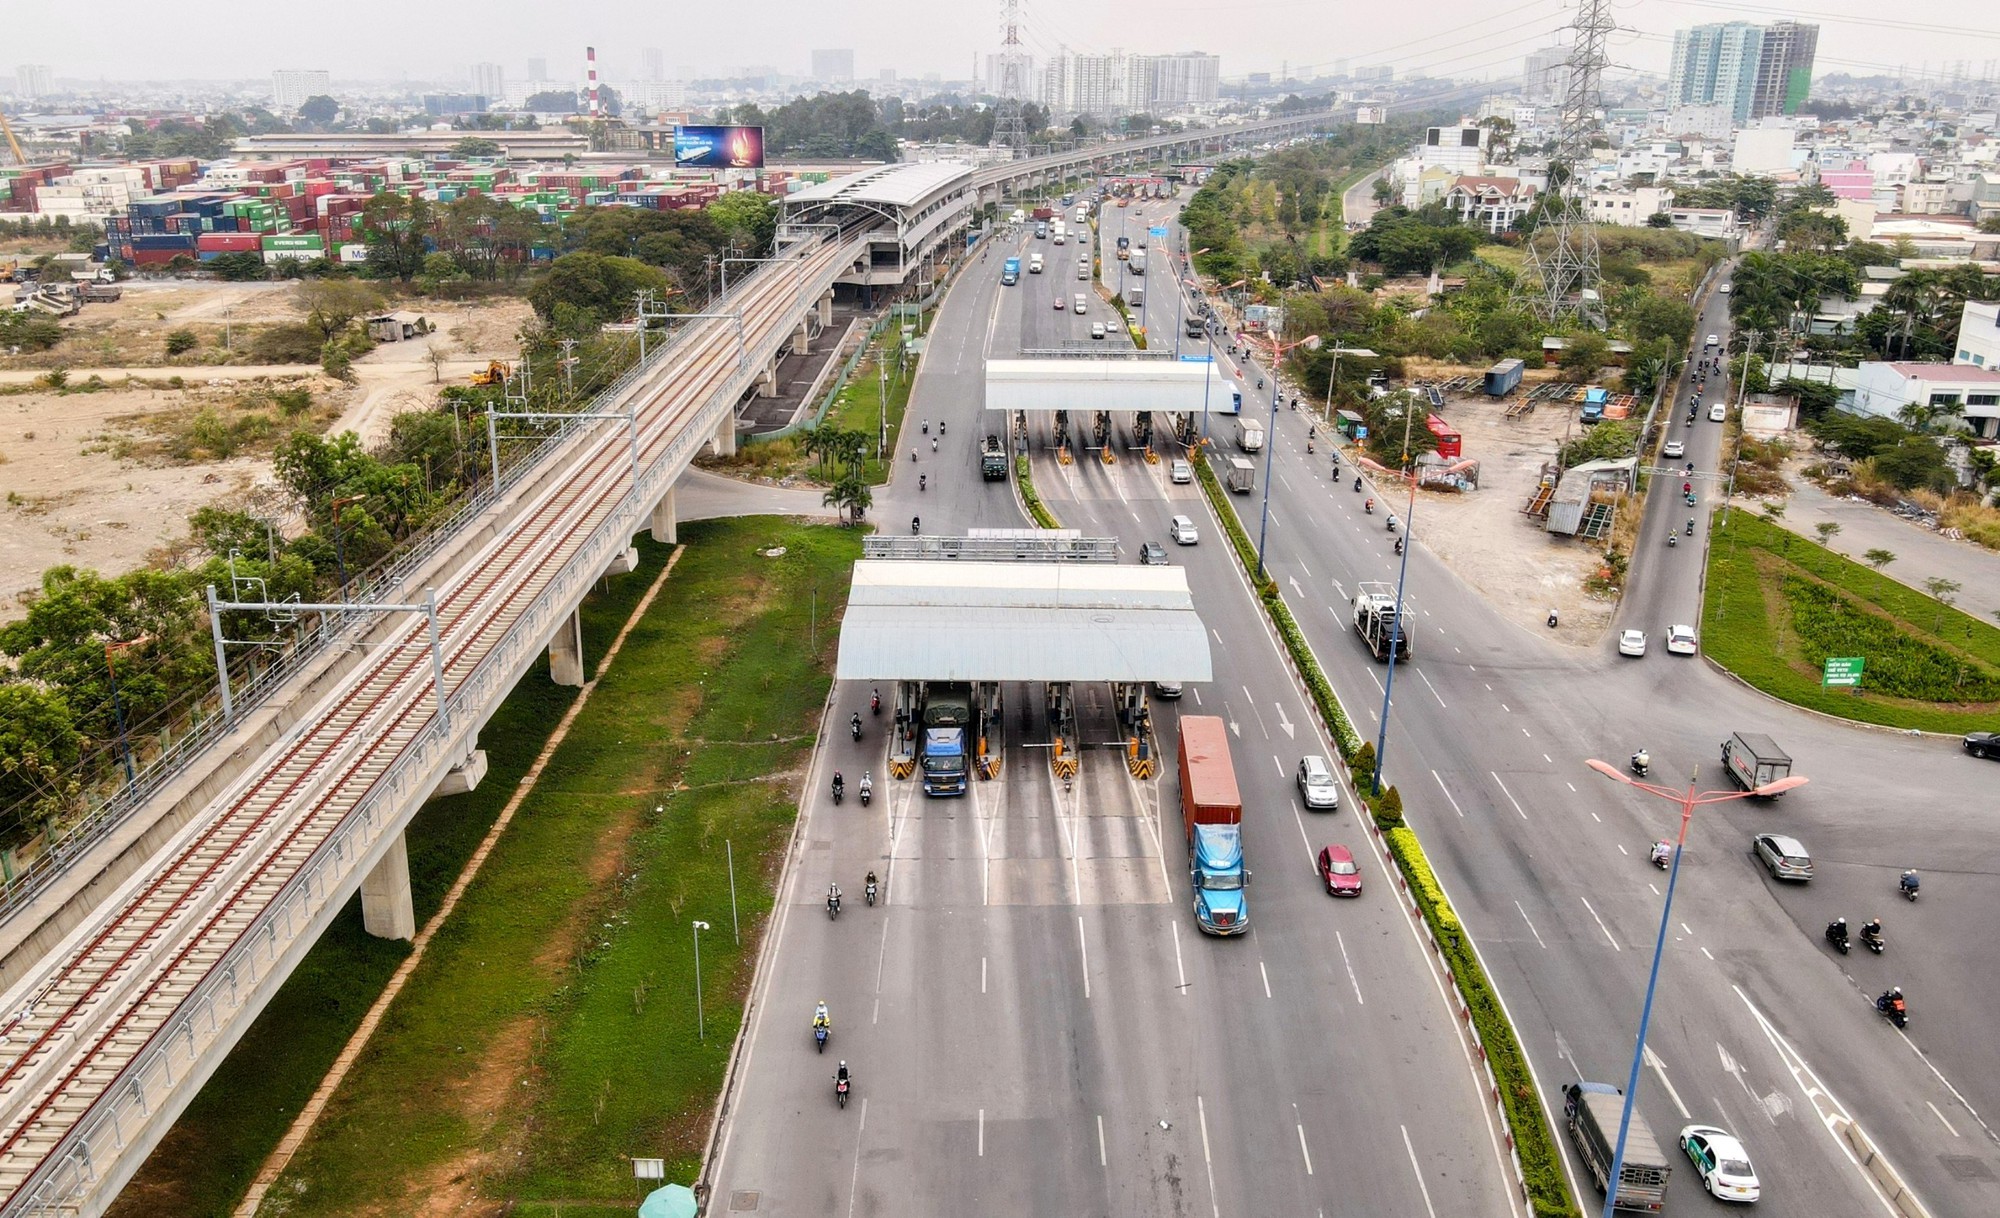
(719, 147)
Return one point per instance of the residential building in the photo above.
(1762, 151)
(1545, 75)
(1985, 197)
(1493, 204)
(1374, 74)
(1632, 207)
(1757, 71)
(996, 75)
(654, 63)
(1719, 222)
(33, 80)
(1446, 154)
(441, 104)
(291, 86)
(833, 67)
(1979, 335)
(1106, 87)
(1884, 388)
(489, 80)
(1711, 122)
(538, 69)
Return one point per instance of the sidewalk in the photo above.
(1920, 553)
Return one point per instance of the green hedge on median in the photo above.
(1541, 1165)
(1037, 510)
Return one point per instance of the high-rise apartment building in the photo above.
(655, 61)
(291, 86)
(33, 80)
(1109, 86)
(831, 66)
(489, 80)
(1545, 75)
(1755, 70)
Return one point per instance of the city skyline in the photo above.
(1469, 42)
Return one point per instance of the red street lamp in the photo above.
(1688, 800)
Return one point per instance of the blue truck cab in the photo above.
(1594, 402)
(947, 727)
(1221, 906)
(1010, 272)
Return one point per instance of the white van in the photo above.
(1717, 413)
(1182, 530)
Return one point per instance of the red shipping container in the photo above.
(155, 257)
(229, 243)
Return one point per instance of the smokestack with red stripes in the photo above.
(590, 65)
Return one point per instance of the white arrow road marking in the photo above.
(1291, 733)
(1660, 1068)
(1294, 582)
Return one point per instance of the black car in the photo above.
(1153, 554)
(1983, 744)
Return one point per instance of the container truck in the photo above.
(1375, 621)
(1594, 401)
(1592, 1111)
(943, 743)
(1010, 272)
(1213, 812)
(1754, 760)
(992, 459)
(1137, 262)
(1241, 476)
(1249, 434)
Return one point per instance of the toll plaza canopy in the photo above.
(917, 620)
(1038, 386)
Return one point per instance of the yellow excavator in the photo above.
(495, 373)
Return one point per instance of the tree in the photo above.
(473, 147)
(1827, 531)
(749, 217)
(552, 101)
(851, 495)
(1916, 462)
(39, 750)
(1944, 592)
(1584, 356)
(319, 110)
(238, 266)
(1663, 317)
(1990, 224)
(597, 287)
(1660, 219)
(331, 305)
(181, 341)
(1879, 558)
(397, 229)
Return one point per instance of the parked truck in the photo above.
(1249, 435)
(1213, 812)
(1592, 1111)
(992, 459)
(944, 737)
(1754, 760)
(1375, 622)
(1010, 272)
(1594, 402)
(1241, 476)
(1504, 377)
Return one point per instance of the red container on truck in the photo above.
(1208, 780)
(1043, 213)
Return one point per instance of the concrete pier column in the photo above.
(386, 911)
(826, 309)
(725, 436)
(666, 526)
(802, 341)
(566, 651)
(767, 381)
(626, 560)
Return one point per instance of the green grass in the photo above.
(858, 407)
(1771, 617)
(210, 1155)
(550, 1030)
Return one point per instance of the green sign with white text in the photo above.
(1842, 672)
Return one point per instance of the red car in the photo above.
(1338, 872)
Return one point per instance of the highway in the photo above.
(1757, 1027)
(1034, 1022)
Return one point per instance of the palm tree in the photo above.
(851, 495)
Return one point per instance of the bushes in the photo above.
(288, 343)
(1037, 510)
(182, 341)
(1900, 664)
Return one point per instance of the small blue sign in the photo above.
(1197, 359)
(1361, 432)
(1156, 232)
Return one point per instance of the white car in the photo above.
(1674, 448)
(1713, 341)
(1726, 288)
(1097, 329)
(1721, 1162)
(1631, 642)
(1681, 640)
(1182, 470)
(1717, 413)
(1182, 530)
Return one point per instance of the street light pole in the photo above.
(1396, 623)
(1276, 352)
(1688, 800)
(700, 1027)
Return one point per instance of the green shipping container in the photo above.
(293, 243)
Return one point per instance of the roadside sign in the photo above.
(1842, 672)
(649, 1169)
(1361, 432)
(1197, 359)
(1157, 231)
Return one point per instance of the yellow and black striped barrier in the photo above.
(1110, 456)
(1143, 762)
(1061, 762)
(902, 765)
(1152, 458)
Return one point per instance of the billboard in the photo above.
(719, 147)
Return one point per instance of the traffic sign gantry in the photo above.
(1842, 672)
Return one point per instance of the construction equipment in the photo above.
(495, 373)
(7, 129)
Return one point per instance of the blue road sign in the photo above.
(1159, 231)
(1197, 359)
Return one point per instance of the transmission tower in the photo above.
(1009, 131)
(1561, 278)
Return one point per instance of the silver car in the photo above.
(1784, 857)
(1317, 786)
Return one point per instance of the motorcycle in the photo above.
(1689, 497)
(927, 427)
(1641, 762)
(1892, 1005)
(871, 892)
(1909, 884)
(839, 790)
(1553, 620)
(875, 702)
(820, 1033)
(1690, 421)
(1399, 546)
(916, 525)
(1357, 486)
(854, 725)
(1672, 538)
(840, 1082)
(1836, 934)
(833, 902)
(1392, 522)
(1690, 526)
(1369, 507)
(923, 482)
(1662, 855)
(1873, 940)
(940, 426)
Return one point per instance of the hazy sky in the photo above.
(438, 39)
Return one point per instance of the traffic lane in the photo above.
(1253, 692)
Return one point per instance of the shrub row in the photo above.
(1900, 664)
(1541, 1165)
(1037, 510)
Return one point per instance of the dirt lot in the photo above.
(1482, 535)
(91, 479)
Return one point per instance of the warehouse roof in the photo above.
(901, 185)
(1013, 621)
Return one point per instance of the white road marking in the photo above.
(1447, 795)
(1302, 567)
(1306, 1154)
(1214, 1202)
(1299, 818)
(1940, 1117)
(854, 1178)
(1279, 764)
(982, 1133)
(1376, 679)
(881, 955)
(1179, 966)
(1503, 705)
(1571, 786)
(1432, 688)
(1083, 946)
(1254, 711)
(1351, 978)
(1266, 975)
(1600, 923)
(1508, 794)
(982, 974)
(1418, 1170)
(1526, 732)
(1339, 589)
(1709, 954)
(1660, 1068)
(1102, 1160)
(1531, 926)
(1686, 931)
(1284, 722)
(1547, 758)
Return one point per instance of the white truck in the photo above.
(1249, 435)
(1241, 476)
(1034, 264)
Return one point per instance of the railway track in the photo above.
(74, 1029)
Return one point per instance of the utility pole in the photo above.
(1009, 130)
(1561, 278)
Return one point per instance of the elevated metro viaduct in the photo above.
(951, 620)
(1098, 386)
